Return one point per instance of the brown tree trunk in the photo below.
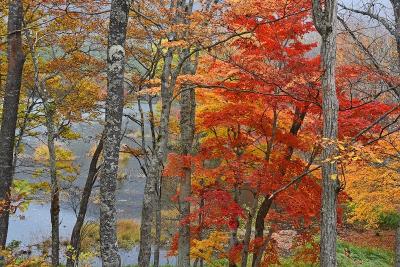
(325, 20)
(114, 109)
(259, 230)
(73, 254)
(15, 57)
(267, 202)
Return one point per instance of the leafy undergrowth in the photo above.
(350, 255)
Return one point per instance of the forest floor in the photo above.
(355, 248)
(384, 239)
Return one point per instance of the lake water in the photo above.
(33, 226)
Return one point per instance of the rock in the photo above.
(284, 240)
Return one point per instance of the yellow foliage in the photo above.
(373, 185)
(206, 248)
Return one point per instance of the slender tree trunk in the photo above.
(168, 81)
(325, 20)
(259, 230)
(156, 163)
(49, 110)
(55, 190)
(73, 254)
(15, 57)
(247, 235)
(233, 240)
(267, 202)
(114, 110)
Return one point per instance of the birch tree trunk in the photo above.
(325, 20)
(113, 120)
(15, 57)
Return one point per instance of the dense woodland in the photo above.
(255, 132)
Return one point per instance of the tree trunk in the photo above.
(325, 20)
(259, 230)
(187, 128)
(329, 170)
(73, 254)
(267, 202)
(233, 240)
(55, 189)
(15, 57)
(158, 224)
(113, 120)
(156, 163)
(168, 81)
(49, 110)
(247, 235)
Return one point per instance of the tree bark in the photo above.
(73, 254)
(325, 20)
(113, 120)
(158, 223)
(55, 189)
(259, 230)
(248, 228)
(16, 58)
(156, 162)
(187, 127)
